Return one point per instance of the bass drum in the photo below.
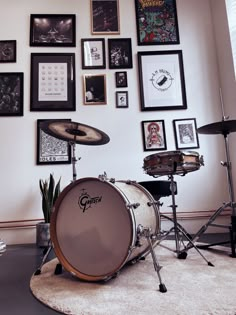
(94, 226)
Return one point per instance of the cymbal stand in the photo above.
(73, 160)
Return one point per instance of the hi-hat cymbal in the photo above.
(74, 132)
(223, 127)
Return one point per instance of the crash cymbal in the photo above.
(223, 127)
(74, 132)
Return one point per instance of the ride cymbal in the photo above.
(223, 127)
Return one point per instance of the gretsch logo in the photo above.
(86, 201)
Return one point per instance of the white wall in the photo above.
(123, 156)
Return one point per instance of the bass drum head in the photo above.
(91, 229)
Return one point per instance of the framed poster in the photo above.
(93, 53)
(51, 150)
(120, 53)
(11, 93)
(185, 131)
(154, 135)
(95, 89)
(7, 50)
(122, 100)
(162, 81)
(105, 17)
(56, 30)
(121, 79)
(157, 22)
(52, 82)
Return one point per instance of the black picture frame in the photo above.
(162, 80)
(11, 93)
(157, 22)
(154, 135)
(51, 150)
(7, 51)
(120, 53)
(121, 79)
(105, 17)
(93, 53)
(122, 99)
(52, 82)
(53, 30)
(185, 131)
(94, 88)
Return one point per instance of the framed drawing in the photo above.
(162, 81)
(154, 135)
(95, 89)
(105, 17)
(120, 53)
(7, 50)
(51, 150)
(121, 79)
(157, 22)
(122, 100)
(93, 53)
(53, 30)
(52, 82)
(11, 93)
(185, 131)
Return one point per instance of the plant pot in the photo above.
(42, 234)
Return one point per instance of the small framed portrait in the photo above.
(154, 135)
(93, 53)
(121, 79)
(95, 89)
(7, 50)
(55, 30)
(120, 53)
(185, 131)
(11, 93)
(51, 150)
(122, 100)
(105, 18)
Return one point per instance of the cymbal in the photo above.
(223, 127)
(74, 132)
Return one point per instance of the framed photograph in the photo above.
(53, 30)
(154, 135)
(120, 53)
(7, 50)
(157, 22)
(105, 17)
(162, 81)
(93, 53)
(51, 150)
(95, 89)
(52, 82)
(185, 131)
(121, 79)
(11, 93)
(122, 100)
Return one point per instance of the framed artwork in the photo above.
(93, 53)
(53, 30)
(105, 17)
(162, 81)
(154, 135)
(122, 100)
(157, 22)
(95, 89)
(11, 93)
(120, 53)
(51, 150)
(185, 131)
(52, 82)
(7, 50)
(121, 79)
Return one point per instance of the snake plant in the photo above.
(49, 192)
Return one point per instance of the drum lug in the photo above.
(112, 180)
(133, 205)
(103, 177)
(158, 203)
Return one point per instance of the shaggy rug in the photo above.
(193, 287)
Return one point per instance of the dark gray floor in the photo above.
(18, 264)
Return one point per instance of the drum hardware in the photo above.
(2, 247)
(133, 205)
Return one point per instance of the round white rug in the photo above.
(193, 287)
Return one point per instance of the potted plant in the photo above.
(49, 191)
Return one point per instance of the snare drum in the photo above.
(172, 162)
(94, 226)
